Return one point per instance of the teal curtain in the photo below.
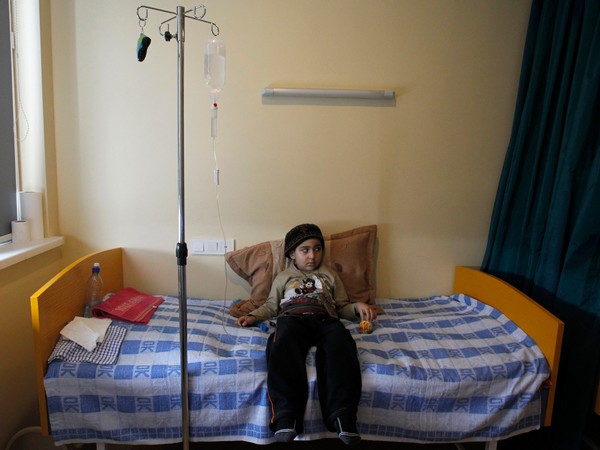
(545, 230)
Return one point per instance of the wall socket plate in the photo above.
(211, 246)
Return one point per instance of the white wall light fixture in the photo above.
(363, 94)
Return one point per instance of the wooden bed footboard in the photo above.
(61, 299)
(542, 326)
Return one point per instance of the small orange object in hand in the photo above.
(365, 327)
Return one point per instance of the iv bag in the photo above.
(214, 67)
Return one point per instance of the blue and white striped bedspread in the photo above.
(440, 369)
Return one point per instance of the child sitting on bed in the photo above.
(308, 299)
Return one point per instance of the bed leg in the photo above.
(100, 446)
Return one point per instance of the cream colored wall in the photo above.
(425, 169)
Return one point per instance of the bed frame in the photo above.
(56, 303)
(60, 299)
(545, 328)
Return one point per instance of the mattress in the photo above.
(435, 369)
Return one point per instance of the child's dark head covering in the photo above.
(301, 233)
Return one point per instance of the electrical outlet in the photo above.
(211, 246)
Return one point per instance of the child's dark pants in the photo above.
(338, 369)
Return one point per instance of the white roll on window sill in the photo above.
(11, 254)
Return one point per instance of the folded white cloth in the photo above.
(98, 325)
(86, 332)
(81, 334)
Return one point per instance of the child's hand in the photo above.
(365, 312)
(246, 321)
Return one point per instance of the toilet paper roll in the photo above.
(20, 231)
(31, 210)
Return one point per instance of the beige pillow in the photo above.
(350, 253)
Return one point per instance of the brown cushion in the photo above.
(351, 253)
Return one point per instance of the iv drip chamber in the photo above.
(214, 67)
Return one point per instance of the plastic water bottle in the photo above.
(93, 291)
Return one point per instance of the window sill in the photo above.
(11, 254)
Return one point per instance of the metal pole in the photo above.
(182, 246)
(181, 250)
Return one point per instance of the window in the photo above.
(8, 184)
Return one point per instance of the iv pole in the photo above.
(181, 251)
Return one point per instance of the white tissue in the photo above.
(95, 324)
(32, 211)
(20, 231)
(81, 334)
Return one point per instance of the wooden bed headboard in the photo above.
(62, 298)
(543, 327)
